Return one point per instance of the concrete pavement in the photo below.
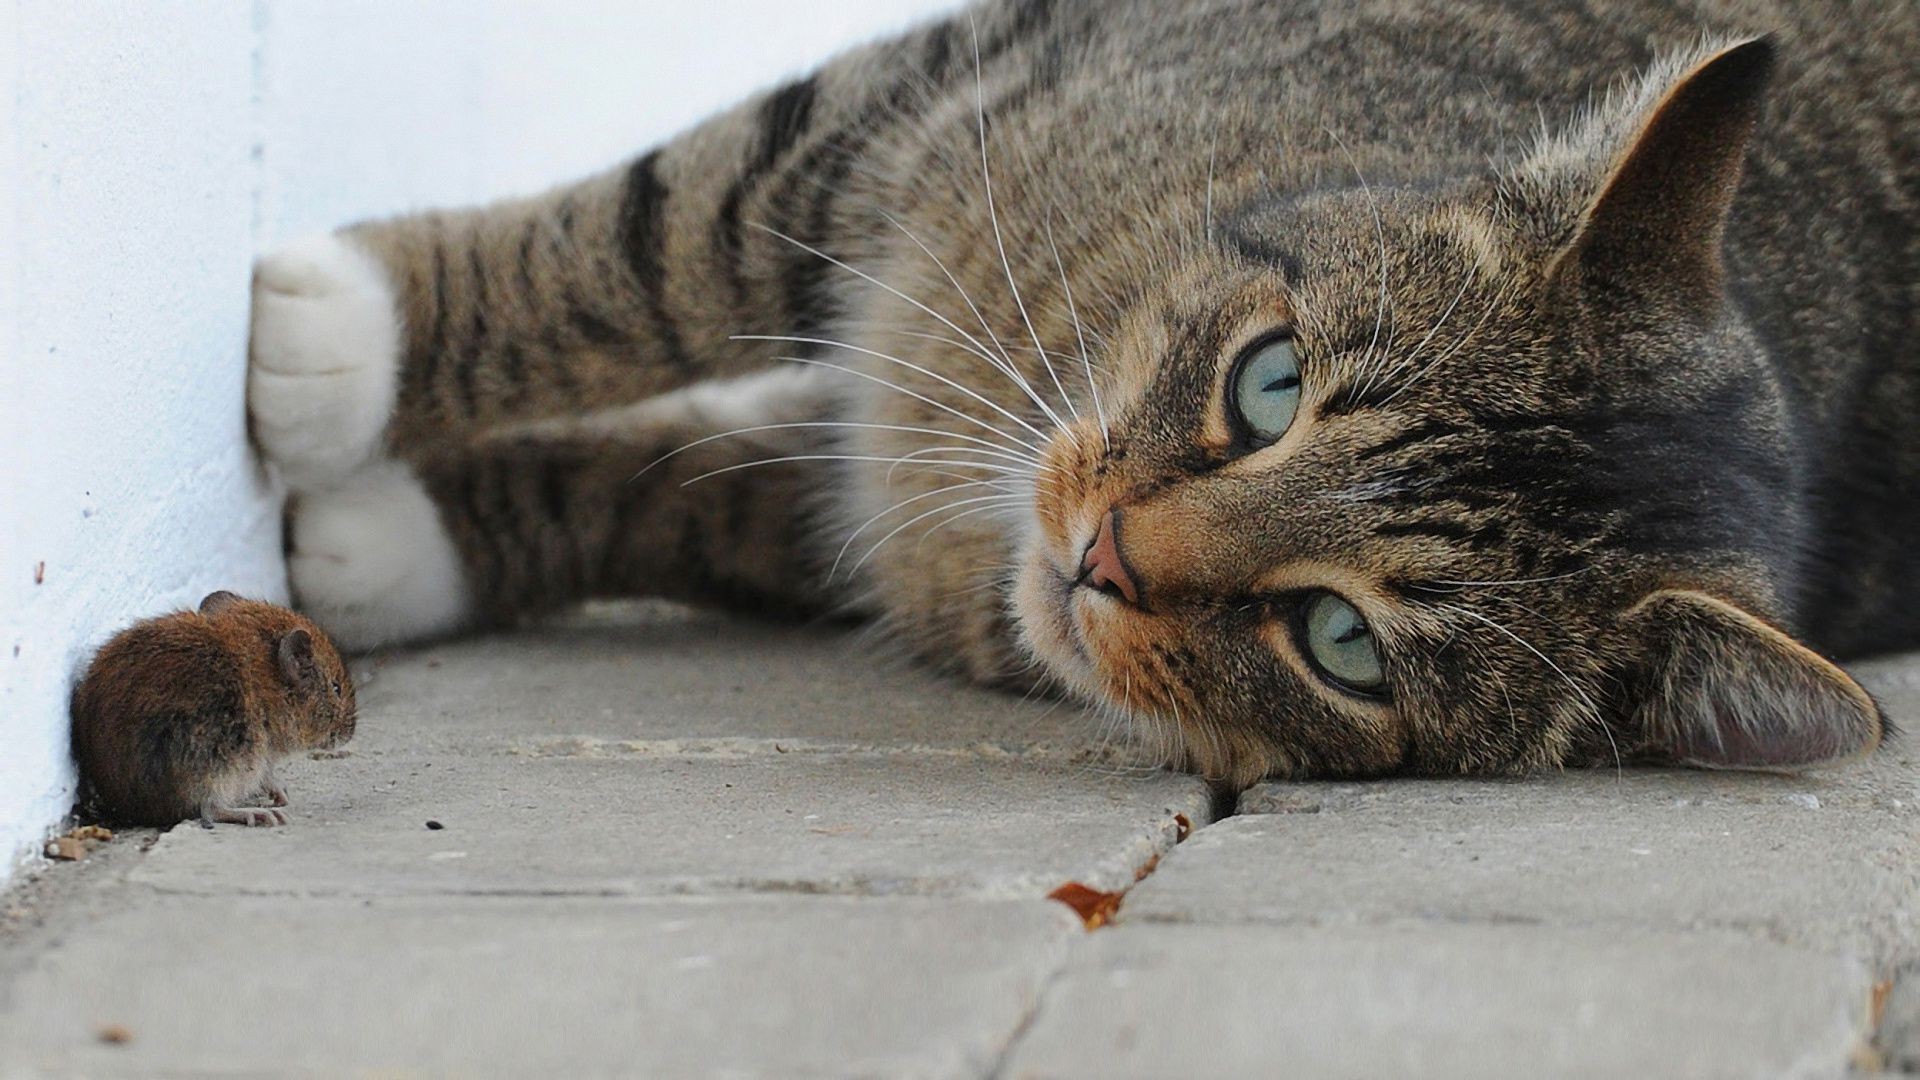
(674, 844)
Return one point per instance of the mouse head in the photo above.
(316, 679)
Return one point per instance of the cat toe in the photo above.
(322, 361)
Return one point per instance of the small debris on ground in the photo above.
(1095, 908)
(74, 845)
(40, 572)
(116, 1034)
(1147, 867)
(434, 825)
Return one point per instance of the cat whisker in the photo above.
(1510, 581)
(910, 522)
(999, 240)
(969, 417)
(1086, 362)
(914, 456)
(1213, 144)
(909, 365)
(833, 424)
(786, 458)
(1009, 369)
(1493, 304)
(841, 555)
(978, 348)
(1594, 713)
(938, 525)
(1384, 372)
(1380, 232)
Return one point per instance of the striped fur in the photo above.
(1662, 347)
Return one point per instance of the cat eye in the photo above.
(1265, 390)
(1341, 645)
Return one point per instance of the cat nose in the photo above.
(1102, 568)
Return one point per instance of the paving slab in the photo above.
(1440, 1001)
(638, 823)
(674, 843)
(767, 987)
(1830, 860)
(664, 674)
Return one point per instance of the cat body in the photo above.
(1595, 435)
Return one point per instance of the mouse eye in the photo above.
(336, 688)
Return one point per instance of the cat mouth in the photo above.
(1044, 610)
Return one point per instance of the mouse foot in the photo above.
(211, 812)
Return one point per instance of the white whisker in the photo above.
(1086, 362)
(1593, 711)
(841, 555)
(897, 529)
(969, 417)
(737, 466)
(978, 348)
(993, 216)
(876, 354)
(1009, 369)
(835, 424)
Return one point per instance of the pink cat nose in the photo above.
(1102, 568)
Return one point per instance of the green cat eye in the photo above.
(1341, 644)
(1266, 390)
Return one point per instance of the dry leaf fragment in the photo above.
(1182, 828)
(1095, 908)
(74, 845)
(117, 1034)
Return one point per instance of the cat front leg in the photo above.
(711, 495)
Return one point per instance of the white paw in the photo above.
(371, 562)
(323, 359)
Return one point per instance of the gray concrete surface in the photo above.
(678, 845)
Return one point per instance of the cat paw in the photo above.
(371, 562)
(323, 360)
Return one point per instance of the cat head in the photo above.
(1481, 475)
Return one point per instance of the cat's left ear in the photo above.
(1718, 688)
(1653, 225)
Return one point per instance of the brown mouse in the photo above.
(186, 714)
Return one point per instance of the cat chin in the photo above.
(1042, 610)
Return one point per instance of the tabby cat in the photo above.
(1274, 373)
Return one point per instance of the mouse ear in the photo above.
(295, 653)
(217, 602)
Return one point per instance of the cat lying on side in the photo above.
(1256, 371)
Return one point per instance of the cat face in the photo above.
(1484, 476)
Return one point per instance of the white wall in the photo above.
(149, 151)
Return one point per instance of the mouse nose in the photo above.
(1102, 568)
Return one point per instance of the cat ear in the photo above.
(295, 653)
(1653, 225)
(1719, 688)
(217, 602)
